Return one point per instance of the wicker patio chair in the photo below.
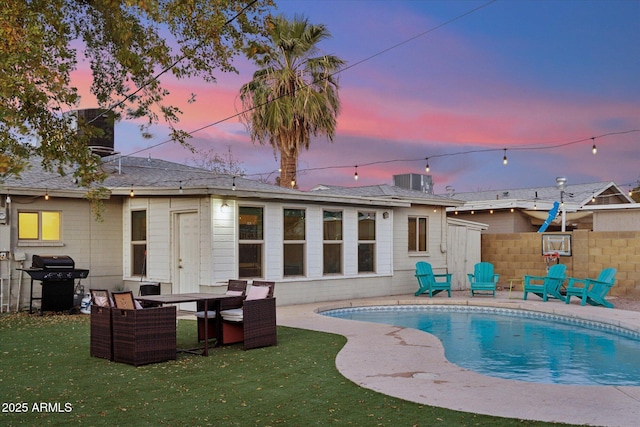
(101, 329)
(234, 287)
(255, 323)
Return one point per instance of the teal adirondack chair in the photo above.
(550, 284)
(431, 283)
(483, 279)
(592, 291)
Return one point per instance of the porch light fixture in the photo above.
(224, 207)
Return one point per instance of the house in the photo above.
(525, 210)
(191, 230)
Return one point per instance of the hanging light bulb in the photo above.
(131, 194)
(180, 189)
(593, 198)
(293, 182)
(233, 184)
(504, 159)
(355, 175)
(426, 168)
(594, 150)
(46, 195)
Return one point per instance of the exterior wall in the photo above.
(616, 220)
(313, 286)
(162, 256)
(404, 280)
(89, 242)
(515, 255)
(501, 221)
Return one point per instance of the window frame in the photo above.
(417, 234)
(368, 242)
(40, 227)
(139, 266)
(294, 242)
(333, 242)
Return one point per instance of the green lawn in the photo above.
(47, 376)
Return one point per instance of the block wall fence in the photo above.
(518, 254)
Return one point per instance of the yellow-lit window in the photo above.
(43, 226)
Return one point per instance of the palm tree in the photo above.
(293, 94)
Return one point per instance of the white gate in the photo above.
(463, 243)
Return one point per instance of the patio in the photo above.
(410, 364)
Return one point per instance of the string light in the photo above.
(504, 159)
(426, 168)
(46, 195)
(293, 182)
(594, 150)
(233, 184)
(131, 193)
(355, 175)
(593, 198)
(180, 189)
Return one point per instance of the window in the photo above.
(366, 242)
(332, 242)
(294, 241)
(139, 243)
(250, 242)
(418, 227)
(39, 226)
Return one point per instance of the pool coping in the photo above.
(410, 364)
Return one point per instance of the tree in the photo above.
(294, 93)
(219, 163)
(130, 45)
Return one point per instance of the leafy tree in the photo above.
(129, 45)
(294, 93)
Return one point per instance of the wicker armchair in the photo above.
(145, 335)
(255, 323)
(235, 286)
(101, 329)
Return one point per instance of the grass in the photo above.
(45, 360)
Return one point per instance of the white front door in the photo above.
(188, 256)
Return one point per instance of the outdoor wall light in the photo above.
(224, 207)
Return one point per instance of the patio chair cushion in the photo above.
(257, 292)
(233, 315)
(210, 314)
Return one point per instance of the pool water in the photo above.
(520, 345)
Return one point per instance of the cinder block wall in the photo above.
(515, 255)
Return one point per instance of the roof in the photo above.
(576, 196)
(389, 192)
(155, 177)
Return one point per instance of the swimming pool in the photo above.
(519, 345)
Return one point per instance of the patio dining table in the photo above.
(206, 298)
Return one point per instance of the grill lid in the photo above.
(49, 262)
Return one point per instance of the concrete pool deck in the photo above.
(410, 364)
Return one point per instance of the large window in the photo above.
(418, 228)
(366, 242)
(332, 242)
(139, 243)
(251, 241)
(294, 242)
(39, 226)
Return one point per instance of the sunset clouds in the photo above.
(517, 75)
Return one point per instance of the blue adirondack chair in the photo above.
(592, 291)
(483, 279)
(547, 286)
(431, 283)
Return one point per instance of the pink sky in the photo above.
(512, 75)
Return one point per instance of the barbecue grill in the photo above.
(57, 274)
